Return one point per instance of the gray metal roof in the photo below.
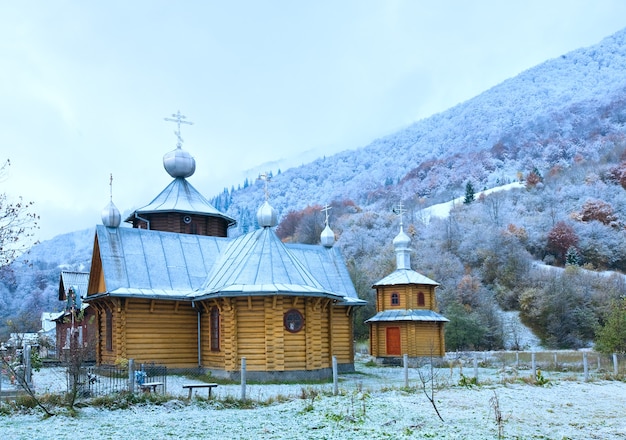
(407, 315)
(139, 262)
(68, 279)
(154, 264)
(405, 276)
(258, 262)
(181, 196)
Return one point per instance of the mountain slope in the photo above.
(534, 119)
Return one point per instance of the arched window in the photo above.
(215, 329)
(395, 299)
(420, 299)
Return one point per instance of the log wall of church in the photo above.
(164, 332)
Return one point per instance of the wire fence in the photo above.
(562, 361)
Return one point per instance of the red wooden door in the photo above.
(393, 341)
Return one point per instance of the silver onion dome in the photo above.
(179, 163)
(266, 216)
(327, 237)
(111, 216)
(402, 240)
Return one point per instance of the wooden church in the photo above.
(175, 289)
(406, 320)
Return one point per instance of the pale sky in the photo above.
(85, 85)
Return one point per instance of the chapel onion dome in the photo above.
(111, 216)
(179, 163)
(402, 240)
(266, 216)
(327, 237)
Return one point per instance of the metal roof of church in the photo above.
(405, 276)
(260, 263)
(156, 264)
(408, 315)
(181, 196)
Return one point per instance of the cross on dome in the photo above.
(399, 211)
(178, 118)
(266, 178)
(325, 210)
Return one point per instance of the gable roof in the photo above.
(68, 279)
(405, 276)
(150, 264)
(181, 196)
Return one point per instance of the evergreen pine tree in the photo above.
(469, 193)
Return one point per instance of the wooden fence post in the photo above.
(615, 365)
(335, 377)
(476, 366)
(533, 362)
(405, 360)
(585, 366)
(243, 378)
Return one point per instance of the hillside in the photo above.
(545, 116)
(556, 129)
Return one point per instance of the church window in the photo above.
(293, 320)
(395, 299)
(109, 330)
(215, 329)
(420, 299)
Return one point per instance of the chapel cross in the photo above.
(325, 209)
(178, 118)
(266, 178)
(399, 210)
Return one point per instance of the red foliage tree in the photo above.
(598, 210)
(560, 238)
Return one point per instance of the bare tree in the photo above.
(428, 376)
(17, 224)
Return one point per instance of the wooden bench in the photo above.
(191, 386)
(148, 387)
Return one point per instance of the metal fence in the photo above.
(104, 380)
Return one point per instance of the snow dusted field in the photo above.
(371, 404)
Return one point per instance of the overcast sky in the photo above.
(85, 85)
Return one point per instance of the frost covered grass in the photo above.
(375, 403)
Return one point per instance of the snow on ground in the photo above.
(371, 404)
(442, 210)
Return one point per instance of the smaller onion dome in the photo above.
(179, 163)
(266, 216)
(327, 237)
(111, 216)
(402, 240)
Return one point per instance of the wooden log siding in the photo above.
(408, 297)
(229, 336)
(274, 334)
(156, 332)
(341, 337)
(251, 332)
(173, 222)
(313, 333)
(421, 339)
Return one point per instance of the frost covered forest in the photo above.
(553, 249)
